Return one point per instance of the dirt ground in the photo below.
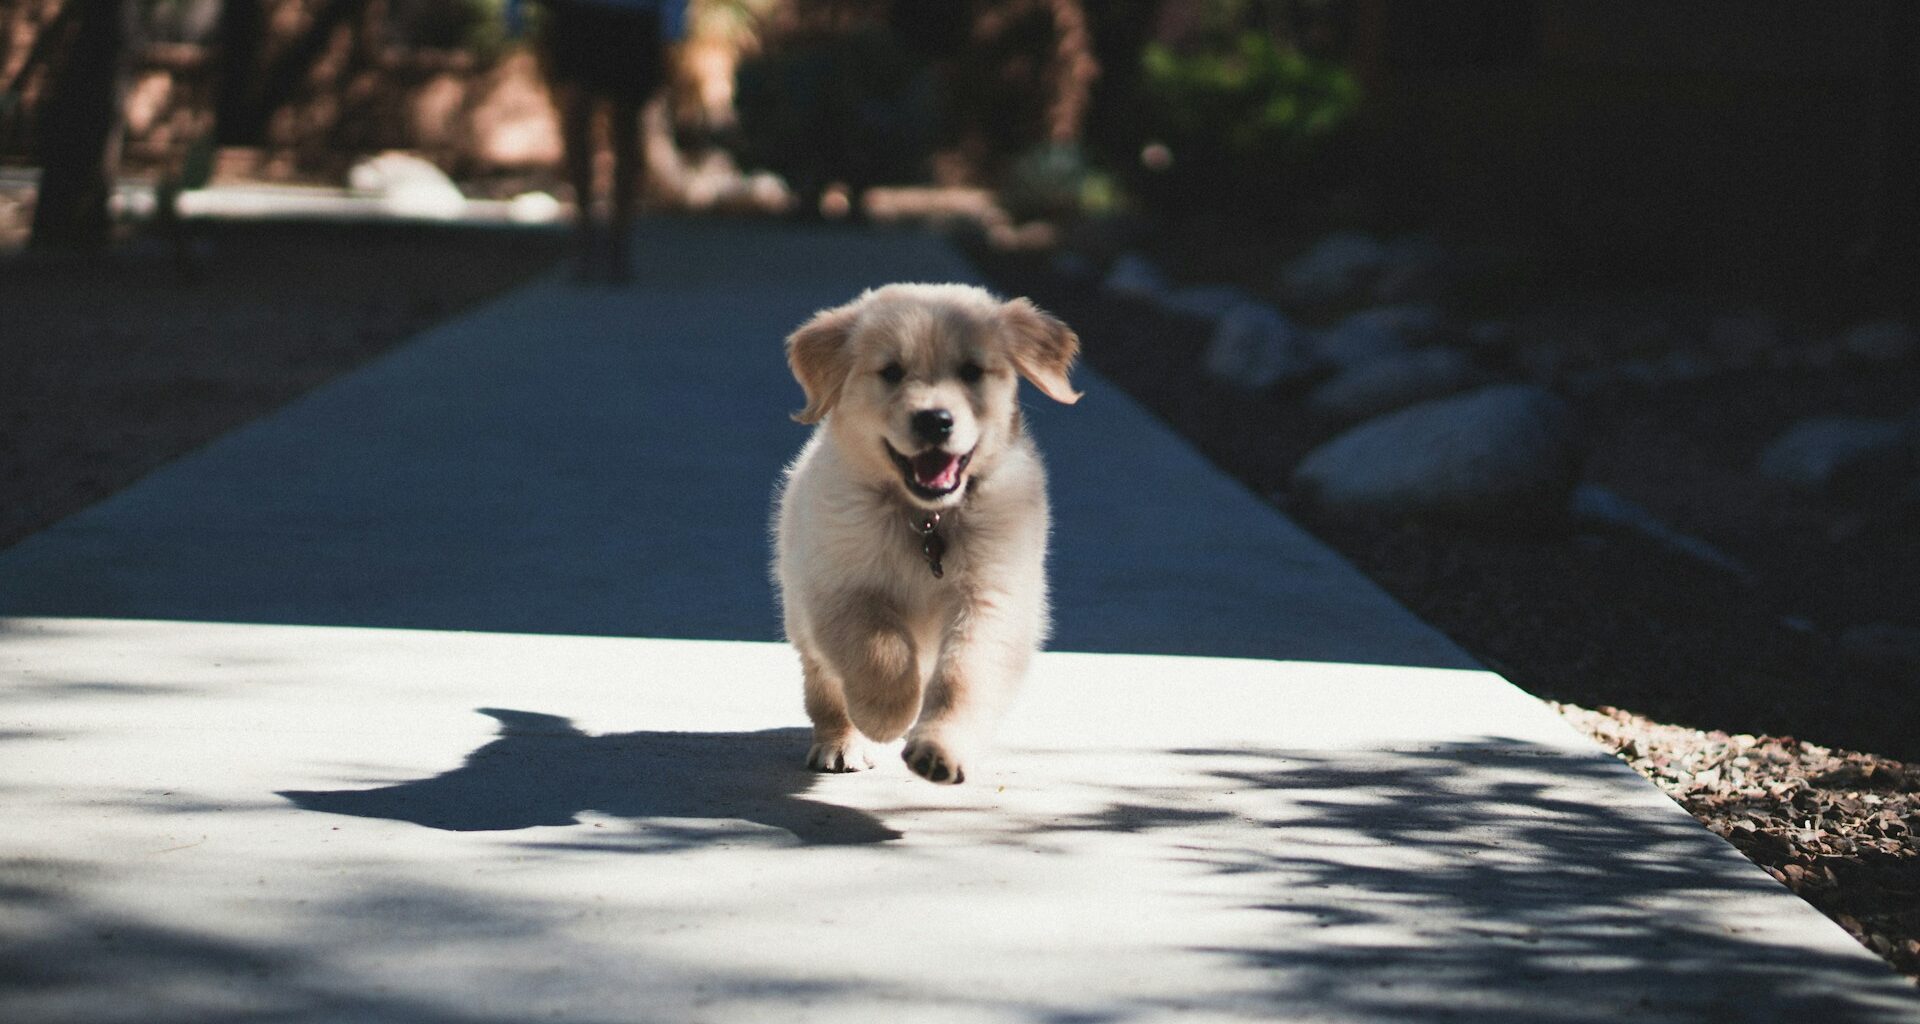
(110, 367)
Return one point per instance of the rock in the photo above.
(1883, 649)
(408, 186)
(1255, 346)
(1336, 269)
(1838, 454)
(1505, 453)
(1375, 333)
(1207, 302)
(1593, 505)
(1417, 323)
(1883, 341)
(535, 208)
(1744, 339)
(1353, 344)
(714, 182)
(1393, 382)
(1681, 366)
(1490, 336)
(768, 192)
(1133, 276)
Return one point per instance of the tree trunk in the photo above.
(243, 29)
(251, 93)
(1073, 70)
(79, 132)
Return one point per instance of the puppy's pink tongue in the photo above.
(936, 471)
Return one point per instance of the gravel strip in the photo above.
(1835, 826)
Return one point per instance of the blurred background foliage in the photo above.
(1251, 99)
(1051, 100)
(478, 27)
(1068, 109)
(1636, 132)
(1238, 112)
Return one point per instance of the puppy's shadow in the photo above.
(543, 770)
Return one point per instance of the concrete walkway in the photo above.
(448, 694)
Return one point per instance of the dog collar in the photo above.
(932, 545)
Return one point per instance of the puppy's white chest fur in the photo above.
(834, 534)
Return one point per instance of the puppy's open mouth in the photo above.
(932, 474)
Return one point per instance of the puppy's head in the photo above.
(921, 380)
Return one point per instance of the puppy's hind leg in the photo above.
(837, 745)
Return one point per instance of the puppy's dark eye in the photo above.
(893, 373)
(971, 372)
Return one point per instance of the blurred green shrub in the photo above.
(1240, 110)
(1055, 181)
(476, 26)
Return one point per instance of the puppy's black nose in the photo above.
(932, 425)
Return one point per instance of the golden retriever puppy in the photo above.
(910, 534)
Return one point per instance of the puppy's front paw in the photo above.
(843, 755)
(935, 760)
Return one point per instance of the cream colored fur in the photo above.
(886, 648)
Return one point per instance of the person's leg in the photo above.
(628, 168)
(576, 136)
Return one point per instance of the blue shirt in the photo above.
(673, 14)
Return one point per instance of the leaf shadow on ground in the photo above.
(1493, 880)
(543, 770)
(70, 958)
(1498, 881)
(1494, 877)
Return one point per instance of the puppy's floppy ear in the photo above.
(1042, 348)
(818, 355)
